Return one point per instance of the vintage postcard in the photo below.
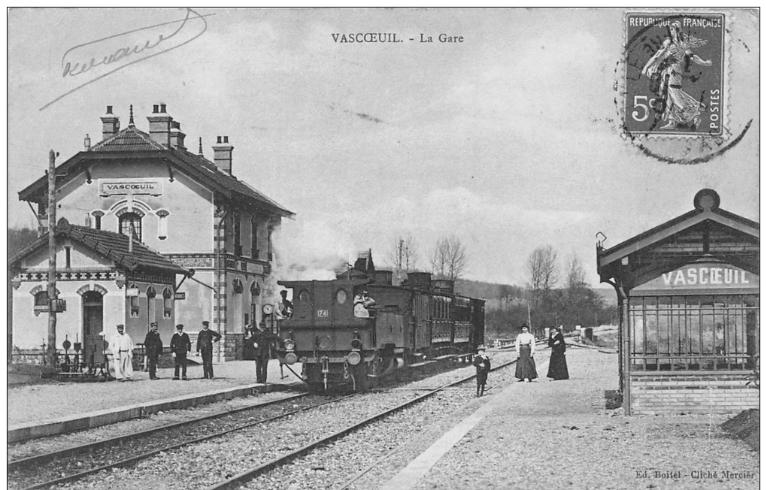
(383, 248)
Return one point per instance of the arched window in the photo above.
(167, 303)
(128, 222)
(41, 298)
(134, 304)
(162, 224)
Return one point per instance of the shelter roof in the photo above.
(706, 232)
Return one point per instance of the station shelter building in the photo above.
(688, 293)
(98, 276)
(193, 211)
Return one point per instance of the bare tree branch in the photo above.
(448, 259)
(404, 253)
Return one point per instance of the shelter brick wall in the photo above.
(705, 394)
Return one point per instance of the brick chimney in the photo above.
(177, 136)
(110, 124)
(159, 125)
(222, 154)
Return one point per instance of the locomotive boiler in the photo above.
(365, 324)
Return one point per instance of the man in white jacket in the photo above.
(122, 350)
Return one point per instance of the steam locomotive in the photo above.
(366, 324)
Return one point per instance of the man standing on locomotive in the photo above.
(262, 340)
(361, 304)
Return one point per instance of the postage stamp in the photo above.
(675, 74)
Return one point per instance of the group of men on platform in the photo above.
(121, 346)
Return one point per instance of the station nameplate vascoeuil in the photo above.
(703, 276)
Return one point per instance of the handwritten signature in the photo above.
(122, 51)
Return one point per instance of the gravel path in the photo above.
(558, 435)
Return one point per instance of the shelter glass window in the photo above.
(694, 332)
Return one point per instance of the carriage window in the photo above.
(341, 296)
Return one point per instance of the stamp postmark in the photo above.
(673, 84)
(675, 66)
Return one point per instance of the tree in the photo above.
(448, 259)
(404, 253)
(542, 266)
(576, 277)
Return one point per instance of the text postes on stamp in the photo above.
(675, 67)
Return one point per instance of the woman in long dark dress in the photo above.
(525, 350)
(558, 363)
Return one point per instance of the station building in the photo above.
(688, 291)
(192, 211)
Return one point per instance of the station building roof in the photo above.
(131, 144)
(112, 246)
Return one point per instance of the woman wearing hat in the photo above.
(482, 363)
(525, 350)
(558, 363)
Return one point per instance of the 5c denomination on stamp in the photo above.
(675, 66)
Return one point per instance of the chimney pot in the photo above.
(110, 124)
(162, 108)
(222, 154)
(155, 109)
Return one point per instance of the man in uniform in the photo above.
(122, 349)
(153, 346)
(262, 340)
(179, 346)
(205, 340)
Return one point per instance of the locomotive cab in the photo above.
(331, 331)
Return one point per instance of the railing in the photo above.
(692, 362)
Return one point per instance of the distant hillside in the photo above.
(491, 290)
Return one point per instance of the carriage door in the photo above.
(93, 323)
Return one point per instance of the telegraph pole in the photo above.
(52, 297)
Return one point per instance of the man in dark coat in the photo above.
(482, 363)
(262, 340)
(205, 340)
(179, 346)
(153, 346)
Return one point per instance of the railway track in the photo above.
(21, 468)
(35, 472)
(237, 480)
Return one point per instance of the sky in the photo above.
(508, 140)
